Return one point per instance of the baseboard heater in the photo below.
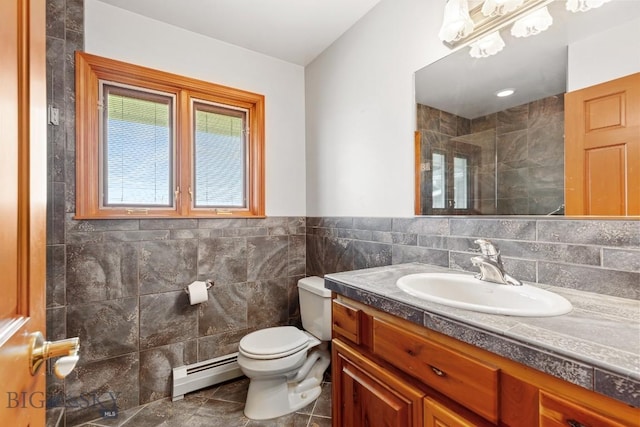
(199, 375)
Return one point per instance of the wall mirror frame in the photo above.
(477, 154)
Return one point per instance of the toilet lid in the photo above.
(271, 343)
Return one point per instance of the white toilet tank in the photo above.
(315, 307)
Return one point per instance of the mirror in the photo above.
(478, 154)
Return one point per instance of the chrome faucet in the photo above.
(490, 264)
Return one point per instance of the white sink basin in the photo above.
(465, 291)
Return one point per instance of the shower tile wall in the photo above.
(118, 284)
(523, 147)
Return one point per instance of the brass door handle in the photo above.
(41, 350)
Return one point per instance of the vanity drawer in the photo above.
(469, 382)
(558, 412)
(346, 321)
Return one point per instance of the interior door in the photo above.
(602, 148)
(22, 207)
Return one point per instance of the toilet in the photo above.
(286, 365)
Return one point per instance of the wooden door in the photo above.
(22, 207)
(371, 396)
(602, 149)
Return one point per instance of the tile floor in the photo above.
(218, 406)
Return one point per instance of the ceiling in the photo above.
(295, 31)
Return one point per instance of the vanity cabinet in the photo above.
(391, 372)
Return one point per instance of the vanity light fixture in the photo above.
(500, 7)
(533, 23)
(487, 46)
(505, 92)
(457, 23)
(479, 27)
(584, 5)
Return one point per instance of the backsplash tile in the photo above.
(603, 259)
(614, 233)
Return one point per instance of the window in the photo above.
(452, 179)
(154, 144)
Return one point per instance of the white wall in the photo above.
(118, 34)
(360, 111)
(604, 56)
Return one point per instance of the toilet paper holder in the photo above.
(208, 282)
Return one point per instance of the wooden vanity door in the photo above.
(370, 395)
(602, 149)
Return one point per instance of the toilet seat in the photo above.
(273, 343)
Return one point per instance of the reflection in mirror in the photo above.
(479, 154)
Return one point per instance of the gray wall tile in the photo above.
(167, 265)
(617, 233)
(624, 389)
(56, 276)
(268, 303)
(105, 329)
(609, 282)
(494, 228)
(156, 367)
(108, 381)
(225, 310)
(223, 260)
(97, 272)
(267, 257)
(621, 259)
(166, 318)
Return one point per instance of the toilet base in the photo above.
(277, 396)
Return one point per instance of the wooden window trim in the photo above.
(91, 68)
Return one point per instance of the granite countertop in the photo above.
(596, 345)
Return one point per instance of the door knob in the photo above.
(41, 350)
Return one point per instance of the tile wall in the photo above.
(591, 255)
(520, 154)
(118, 284)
